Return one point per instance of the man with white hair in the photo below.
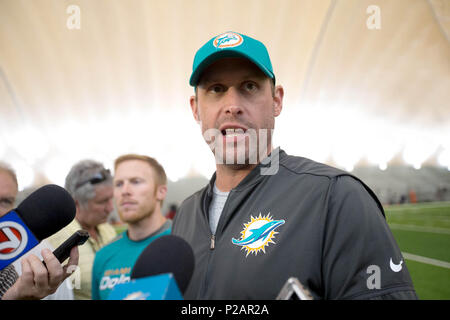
(91, 186)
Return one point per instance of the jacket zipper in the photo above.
(212, 246)
(213, 242)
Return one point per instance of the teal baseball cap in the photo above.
(229, 45)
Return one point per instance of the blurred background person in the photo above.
(140, 186)
(172, 211)
(11, 285)
(8, 188)
(90, 185)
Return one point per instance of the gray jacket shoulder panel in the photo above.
(300, 165)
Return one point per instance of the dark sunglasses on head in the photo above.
(97, 178)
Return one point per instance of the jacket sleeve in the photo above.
(397, 295)
(8, 276)
(360, 257)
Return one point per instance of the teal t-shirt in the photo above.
(114, 262)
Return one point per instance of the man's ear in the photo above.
(194, 108)
(161, 192)
(278, 100)
(77, 205)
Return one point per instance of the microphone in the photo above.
(162, 272)
(43, 213)
(294, 290)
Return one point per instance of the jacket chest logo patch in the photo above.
(258, 233)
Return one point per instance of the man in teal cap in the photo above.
(227, 45)
(267, 216)
(240, 142)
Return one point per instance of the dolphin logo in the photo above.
(396, 267)
(257, 234)
(226, 39)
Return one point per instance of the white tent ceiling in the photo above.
(119, 83)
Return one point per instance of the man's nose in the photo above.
(233, 105)
(125, 188)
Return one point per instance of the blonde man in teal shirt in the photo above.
(113, 263)
(140, 186)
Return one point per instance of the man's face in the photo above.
(136, 193)
(97, 209)
(236, 104)
(8, 192)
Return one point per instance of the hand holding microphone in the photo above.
(38, 280)
(41, 214)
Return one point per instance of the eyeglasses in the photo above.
(97, 178)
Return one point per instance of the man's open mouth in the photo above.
(231, 132)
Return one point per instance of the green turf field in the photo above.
(422, 232)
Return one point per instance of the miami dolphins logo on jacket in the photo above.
(258, 233)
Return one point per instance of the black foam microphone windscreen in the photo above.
(47, 210)
(166, 254)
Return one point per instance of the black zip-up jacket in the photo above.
(310, 221)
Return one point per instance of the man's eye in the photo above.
(6, 202)
(250, 86)
(118, 184)
(216, 88)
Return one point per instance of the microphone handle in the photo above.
(63, 251)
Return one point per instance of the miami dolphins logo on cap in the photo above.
(228, 40)
(258, 233)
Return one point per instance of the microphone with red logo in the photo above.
(43, 213)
